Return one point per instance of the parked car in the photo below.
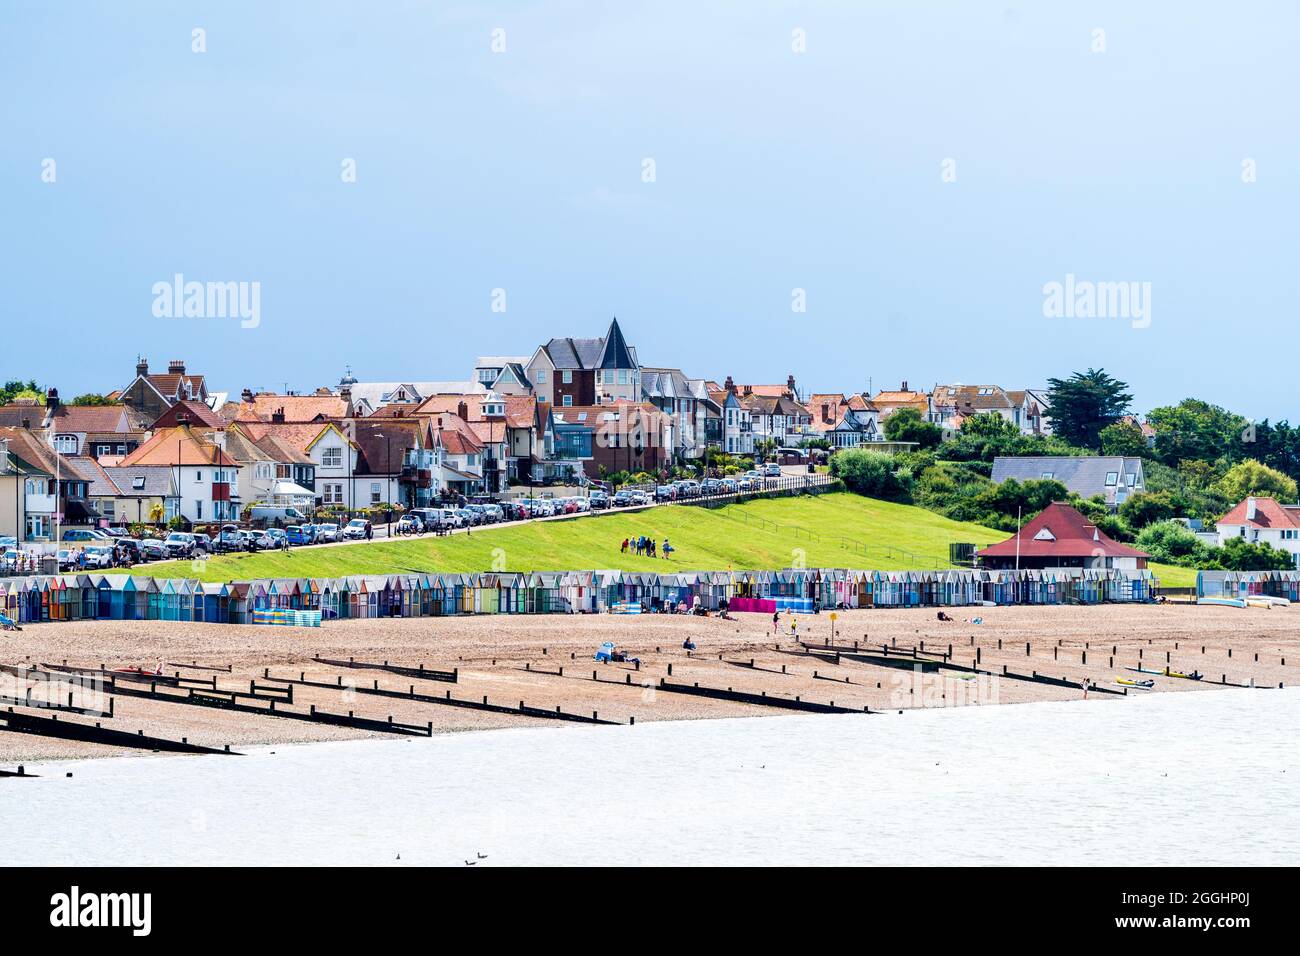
(665, 493)
(409, 524)
(298, 534)
(98, 556)
(771, 470)
(484, 515)
(470, 518)
(279, 536)
(729, 486)
(327, 532)
(153, 549)
(641, 498)
(599, 499)
(85, 535)
(114, 532)
(495, 510)
(711, 486)
(230, 538)
(67, 558)
(131, 547)
(257, 540)
(179, 544)
(356, 528)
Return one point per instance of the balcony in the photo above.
(417, 477)
(40, 504)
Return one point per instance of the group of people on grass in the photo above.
(642, 545)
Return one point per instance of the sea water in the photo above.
(1188, 778)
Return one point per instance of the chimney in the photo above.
(27, 423)
(789, 384)
(176, 367)
(141, 365)
(277, 416)
(729, 385)
(219, 439)
(345, 393)
(462, 410)
(1250, 508)
(52, 399)
(749, 389)
(904, 387)
(826, 412)
(246, 395)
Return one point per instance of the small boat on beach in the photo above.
(1192, 676)
(1142, 684)
(1221, 602)
(1145, 670)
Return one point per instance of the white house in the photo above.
(1263, 521)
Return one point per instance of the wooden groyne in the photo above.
(86, 733)
(762, 699)
(421, 672)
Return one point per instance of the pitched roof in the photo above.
(615, 353)
(1268, 514)
(300, 435)
(33, 450)
(1083, 474)
(194, 412)
(177, 446)
(294, 408)
(98, 482)
(154, 480)
(965, 398)
(381, 445)
(1060, 531)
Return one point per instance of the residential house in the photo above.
(1113, 477)
(152, 394)
(367, 397)
(1061, 537)
(736, 425)
(568, 372)
(382, 448)
(316, 455)
(511, 429)
(206, 477)
(625, 436)
(1263, 521)
(24, 485)
(888, 402)
(687, 401)
(290, 408)
(142, 491)
(54, 489)
(503, 374)
(190, 412)
(950, 405)
(91, 430)
(846, 421)
(460, 452)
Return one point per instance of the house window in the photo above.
(1048, 475)
(332, 457)
(198, 506)
(568, 400)
(376, 496)
(487, 375)
(568, 376)
(1131, 480)
(198, 476)
(333, 494)
(1112, 478)
(137, 483)
(65, 444)
(622, 376)
(539, 376)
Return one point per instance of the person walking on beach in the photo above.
(776, 621)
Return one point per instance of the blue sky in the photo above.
(774, 171)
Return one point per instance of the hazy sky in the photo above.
(774, 170)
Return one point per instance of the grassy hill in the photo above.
(834, 530)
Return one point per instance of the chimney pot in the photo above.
(141, 366)
(52, 398)
(176, 367)
(246, 395)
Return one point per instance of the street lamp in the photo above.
(388, 462)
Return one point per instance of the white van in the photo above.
(274, 515)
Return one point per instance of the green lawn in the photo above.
(834, 530)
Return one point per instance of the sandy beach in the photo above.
(546, 663)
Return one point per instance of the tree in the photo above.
(1197, 430)
(91, 398)
(906, 425)
(988, 425)
(16, 389)
(1146, 508)
(1123, 438)
(869, 473)
(1251, 477)
(1085, 403)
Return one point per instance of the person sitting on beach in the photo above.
(688, 644)
(944, 617)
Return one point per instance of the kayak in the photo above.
(1192, 676)
(1221, 602)
(1144, 670)
(1144, 684)
(1259, 602)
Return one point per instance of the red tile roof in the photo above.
(1073, 537)
(1268, 514)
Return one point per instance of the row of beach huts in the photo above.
(307, 601)
(1242, 585)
